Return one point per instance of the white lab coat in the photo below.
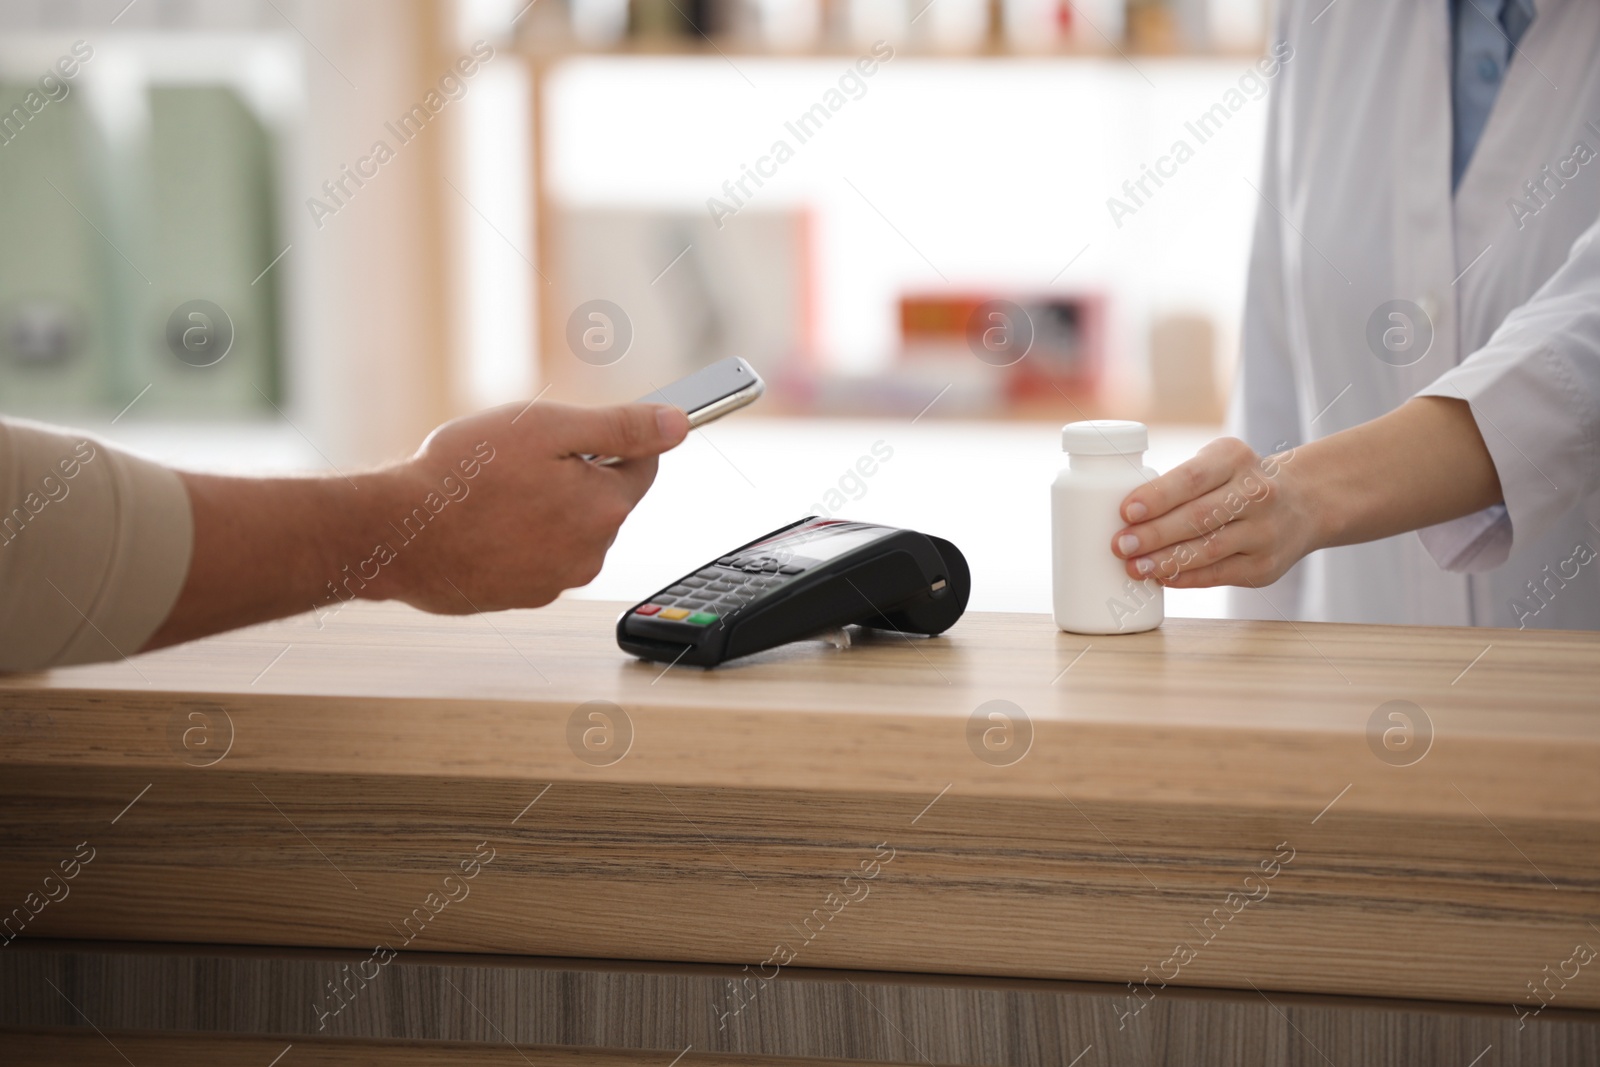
(1359, 212)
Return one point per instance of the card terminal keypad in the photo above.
(716, 591)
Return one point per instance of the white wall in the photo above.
(995, 173)
(983, 485)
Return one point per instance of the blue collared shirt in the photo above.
(1483, 39)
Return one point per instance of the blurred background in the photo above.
(294, 235)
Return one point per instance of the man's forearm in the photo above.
(265, 548)
(1421, 464)
(496, 510)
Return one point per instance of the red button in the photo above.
(647, 609)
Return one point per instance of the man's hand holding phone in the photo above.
(539, 519)
(496, 510)
(555, 510)
(504, 508)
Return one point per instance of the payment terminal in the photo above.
(800, 581)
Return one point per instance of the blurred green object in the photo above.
(56, 323)
(131, 265)
(204, 332)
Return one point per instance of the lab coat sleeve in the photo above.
(1534, 389)
(1264, 410)
(94, 547)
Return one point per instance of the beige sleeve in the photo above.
(94, 547)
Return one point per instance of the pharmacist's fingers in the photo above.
(1194, 553)
(1212, 466)
(1198, 518)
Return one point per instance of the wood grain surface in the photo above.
(53, 1048)
(507, 1005)
(312, 786)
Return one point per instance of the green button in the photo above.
(701, 618)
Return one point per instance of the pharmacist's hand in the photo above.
(1226, 517)
(539, 519)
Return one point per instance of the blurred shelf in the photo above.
(547, 51)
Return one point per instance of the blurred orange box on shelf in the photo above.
(1047, 346)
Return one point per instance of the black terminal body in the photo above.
(796, 582)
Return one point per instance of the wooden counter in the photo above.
(1209, 806)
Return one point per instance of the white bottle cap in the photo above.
(1104, 437)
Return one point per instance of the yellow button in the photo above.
(674, 613)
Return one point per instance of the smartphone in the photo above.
(711, 392)
(707, 394)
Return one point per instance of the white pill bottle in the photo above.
(1092, 591)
